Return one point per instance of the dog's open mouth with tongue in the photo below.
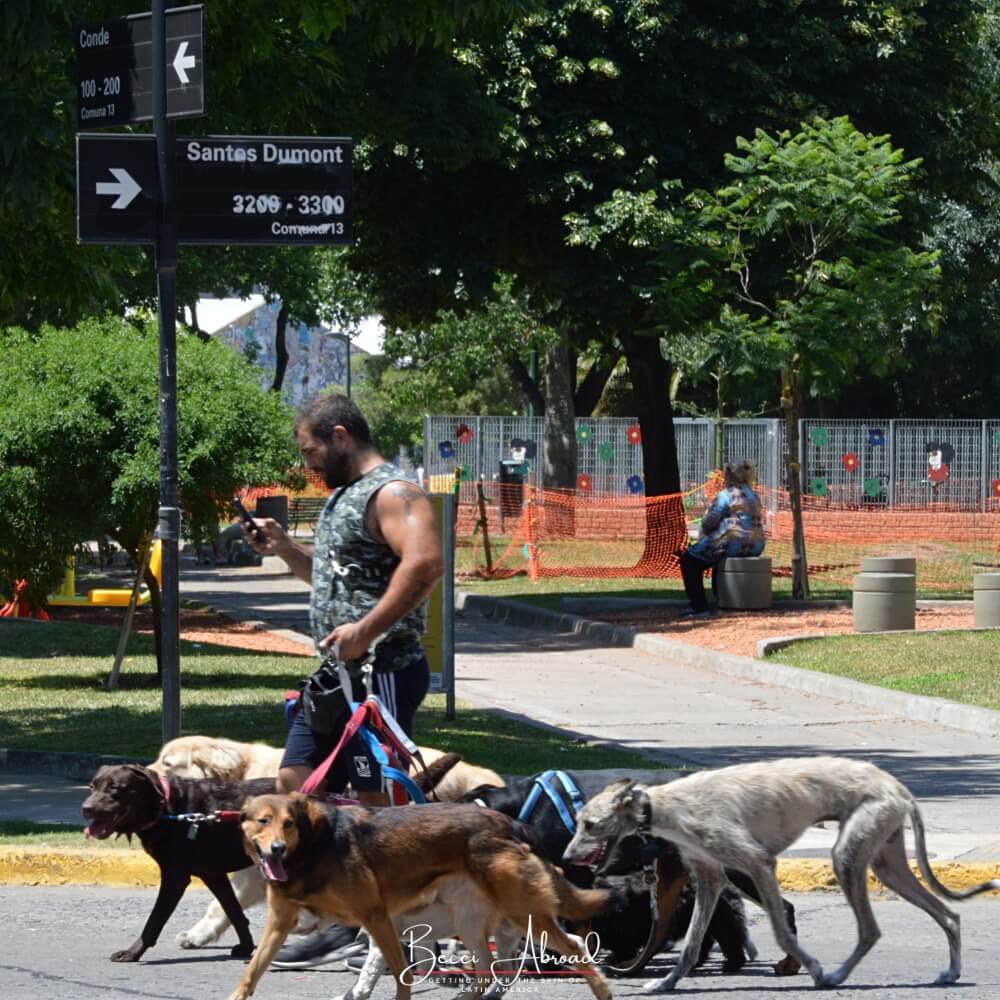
(595, 857)
(271, 865)
(98, 829)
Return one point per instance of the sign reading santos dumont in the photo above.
(257, 189)
(207, 151)
(230, 189)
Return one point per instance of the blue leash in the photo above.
(544, 783)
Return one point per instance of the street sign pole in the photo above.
(166, 272)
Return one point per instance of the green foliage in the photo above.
(807, 225)
(79, 439)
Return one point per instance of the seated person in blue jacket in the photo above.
(731, 527)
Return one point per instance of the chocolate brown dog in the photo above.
(362, 866)
(131, 799)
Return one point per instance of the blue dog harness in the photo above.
(546, 783)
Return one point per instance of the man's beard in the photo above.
(336, 469)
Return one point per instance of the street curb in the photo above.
(581, 605)
(920, 708)
(134, 869)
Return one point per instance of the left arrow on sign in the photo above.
(124, 186)
(183, 62)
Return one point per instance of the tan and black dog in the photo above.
(366, 866)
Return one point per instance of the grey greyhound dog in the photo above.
(744, 816)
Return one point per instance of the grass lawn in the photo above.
(962, 667)
(946, 575)
(549, 591)
(52, 698)
(22, 833)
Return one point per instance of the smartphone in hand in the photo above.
(247, 521)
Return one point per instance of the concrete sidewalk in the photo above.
(659, 703)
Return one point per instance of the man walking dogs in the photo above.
(375, 560)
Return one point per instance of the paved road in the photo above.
(56, 944)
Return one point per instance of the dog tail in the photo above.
(430, 777)
(920, 843)
(582, 904)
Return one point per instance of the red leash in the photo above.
(366, 712)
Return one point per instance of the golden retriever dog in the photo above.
(367, 866)
(231, 760)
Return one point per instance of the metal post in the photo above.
(448, 607)
(166, 269)
(984, 486)
(533, 372)
(891, 477)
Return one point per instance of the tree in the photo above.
(643, 98)
(819, 274)
(79, 442)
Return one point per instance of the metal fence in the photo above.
(852, 463)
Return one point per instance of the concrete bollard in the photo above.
(986, 600)
(889, 564)
(884, 602)
(743, 583)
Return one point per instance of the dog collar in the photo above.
(165, 792)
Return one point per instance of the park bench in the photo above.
(305, 510)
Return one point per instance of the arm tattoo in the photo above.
(408, 493)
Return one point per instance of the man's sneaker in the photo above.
(356, 962)
(332, 944)
(694, 614)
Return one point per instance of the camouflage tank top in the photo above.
(351, 570)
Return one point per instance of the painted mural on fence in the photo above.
(316, 355)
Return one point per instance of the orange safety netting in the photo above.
(566, 533)
(314, 487)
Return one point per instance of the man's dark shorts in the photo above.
(401, 692)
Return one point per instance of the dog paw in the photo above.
(193, 938)
(241, 950)
(946, 977)
(125, 955)
(659, 985)
(788, 966)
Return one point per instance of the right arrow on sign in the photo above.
(183, 62)
(124, 186)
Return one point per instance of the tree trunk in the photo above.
(281, 349)
(529, 388)
(791, 405)
(666, 529)
(559, 446)
(195, 326)
(650, 373)
(588, 393)
(559, 443)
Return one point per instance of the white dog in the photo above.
(743, 817)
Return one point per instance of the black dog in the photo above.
(132, 799)
(627, 932)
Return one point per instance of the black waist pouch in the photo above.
(324, 707)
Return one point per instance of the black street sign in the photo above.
(117, 188)
(228, 189)
(114, 60)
